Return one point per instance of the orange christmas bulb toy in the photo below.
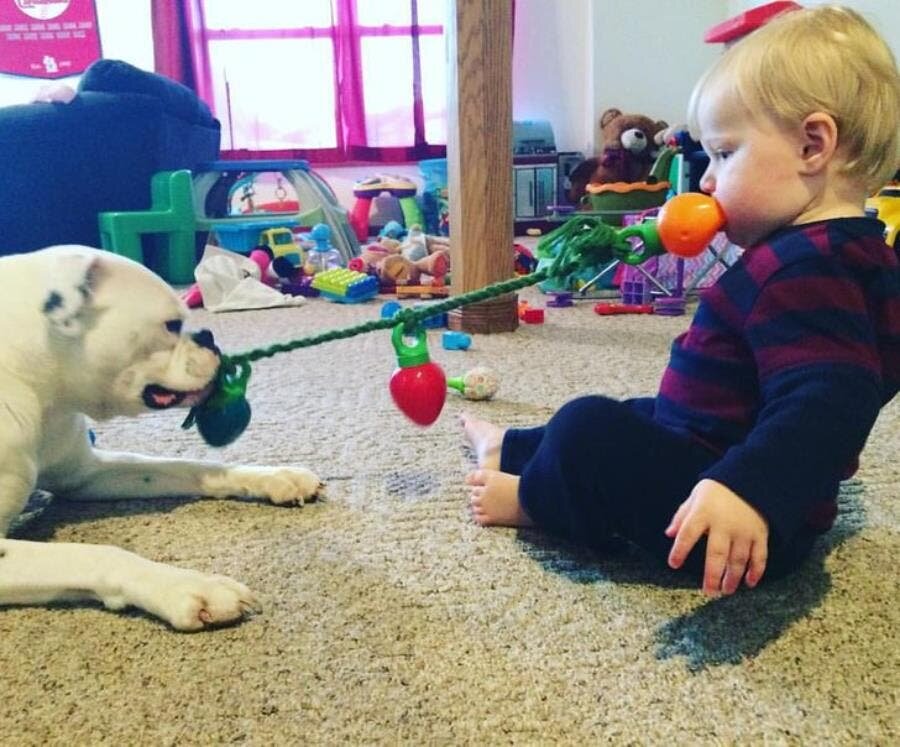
(687, 223)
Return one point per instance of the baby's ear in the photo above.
(69, 290)
(820, 140)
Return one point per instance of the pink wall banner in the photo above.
(48, 38)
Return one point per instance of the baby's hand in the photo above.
(737, 537)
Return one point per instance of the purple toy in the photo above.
(560, 299)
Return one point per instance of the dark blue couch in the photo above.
(65, 163)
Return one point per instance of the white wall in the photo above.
(648, 54)
(553, 76)
(575, 58)
(124, 35)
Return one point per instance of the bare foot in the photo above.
(486, 439)
(494, 497)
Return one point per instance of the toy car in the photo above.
(281, 241)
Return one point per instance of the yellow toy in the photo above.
(886, 207)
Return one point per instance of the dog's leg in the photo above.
(18, 468)
(38, 573)
(111, 475)
(14, 492)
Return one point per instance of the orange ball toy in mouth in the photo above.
(687, 223)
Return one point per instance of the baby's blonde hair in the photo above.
(826, 59)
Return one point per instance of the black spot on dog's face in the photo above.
(53, 301)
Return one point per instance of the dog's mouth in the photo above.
(158, 397)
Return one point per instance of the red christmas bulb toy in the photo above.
(418, 386)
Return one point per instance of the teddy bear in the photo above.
(628, 144)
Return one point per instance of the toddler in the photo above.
(733, 469)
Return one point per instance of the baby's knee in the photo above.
(588, 413)
(593, 424)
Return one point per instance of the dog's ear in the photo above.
(70, 287)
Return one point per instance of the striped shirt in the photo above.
(788, 360)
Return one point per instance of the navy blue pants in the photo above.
(602, 468)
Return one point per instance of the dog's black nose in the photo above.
(204, 338)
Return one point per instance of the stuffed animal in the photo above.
(386, 259)
(395, 269)
(628, 148)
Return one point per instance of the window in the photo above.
(327, 80)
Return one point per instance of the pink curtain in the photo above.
(181, 44)
(171, 46)
(351, 114)
(350, 86)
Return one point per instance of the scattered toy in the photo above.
(452, 340)
(477, 384)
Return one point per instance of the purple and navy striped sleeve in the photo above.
(786, 365)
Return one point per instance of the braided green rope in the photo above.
(409, 317)
(585, 243)
(580, 242)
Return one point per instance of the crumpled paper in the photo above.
(229, 281)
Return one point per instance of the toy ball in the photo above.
(477, 384)
(688, 222)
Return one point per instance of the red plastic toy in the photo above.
(743, 23)
(418, 386)
(532, 315)
(529, 314)
(611, 309)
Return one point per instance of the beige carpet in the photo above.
(390, 618)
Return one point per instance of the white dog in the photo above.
(84, 332)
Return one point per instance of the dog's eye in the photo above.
(174, 326)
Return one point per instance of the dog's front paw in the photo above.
(283, 486)
(290, 486)
(189, 600)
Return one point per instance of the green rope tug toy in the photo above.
(581, 241)
(225, 413)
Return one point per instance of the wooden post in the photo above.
(479, 160)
